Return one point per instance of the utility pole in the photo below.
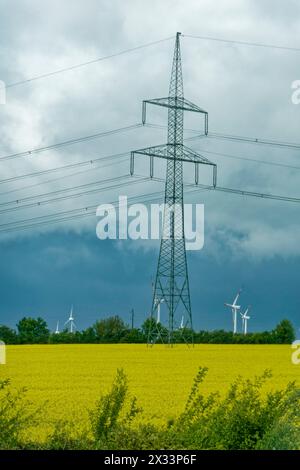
(172, 281)
(132, 319)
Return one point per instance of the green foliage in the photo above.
(134, 335)
(114, 330)
(107, 415)
(156, 329)
(110, 330)
(65, 337)
(245, 418)
(8, 335)
(88, 335)
(32, 330)
(15, 416)
(148, 325)
(66, 436)
(282, 436)
(284, 332)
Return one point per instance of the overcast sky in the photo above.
(250, 243)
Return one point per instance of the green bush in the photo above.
(109, 417)
(245, 418)
(16, 419)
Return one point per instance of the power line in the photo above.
(243, 43)
(70, 142)
(67, 214)
(133, 49)
(253, 140)
(69, 166)
(219, 135)
(18, 204)
(240, 192)
(52, 180)
(84, 64)
(290, 145)
(88, 210)
(249, 159)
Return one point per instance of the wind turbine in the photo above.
(181, 323)
(71, 322)
(57, 328)
(245, 319)
(234, 308)
(157, 303)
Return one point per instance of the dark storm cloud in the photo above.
(247, 91)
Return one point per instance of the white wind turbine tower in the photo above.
(71, 322)
(245, 318)
(234, 308)
(57, 328)
(182, 323)
(157, 303)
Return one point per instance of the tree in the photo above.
(148, 325)
(133, 336)
(88, 335)
(284, 332)
(110, 330)
(160, 331)
(32, 330)
(8, 335)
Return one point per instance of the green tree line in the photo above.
(114, 330)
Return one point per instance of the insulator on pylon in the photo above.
(196, 173)
(151, 166)
(206, 124)
(131, 163)
(144, 113)
(215, 176)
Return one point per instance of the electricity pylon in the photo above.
(172, 281)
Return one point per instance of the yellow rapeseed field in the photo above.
(70, 378)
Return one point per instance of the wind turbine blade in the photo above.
(237, 296)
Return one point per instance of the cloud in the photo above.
(245, 89)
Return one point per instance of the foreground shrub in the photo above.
(16, 419)
(245, 418)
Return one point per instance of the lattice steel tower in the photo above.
(172, 282)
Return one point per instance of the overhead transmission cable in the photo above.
(69, 166)
(71, 213)
(97, 188)
(142, 46)
(87, 210)
(84, 64)
(52, 180)
(69, 142)
(97, 135)
(243, 43)
(247, 159)
(219, 135)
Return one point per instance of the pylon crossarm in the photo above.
(178, 103)
(166, 151)
(191, 156)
